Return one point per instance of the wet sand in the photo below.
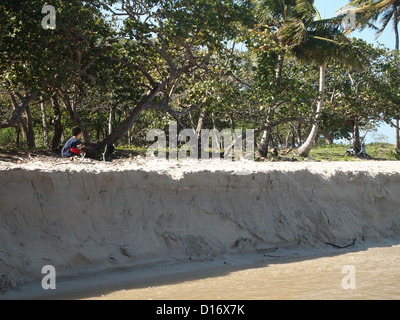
(367, 270)
(373, 273)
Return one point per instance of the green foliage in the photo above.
(366, 96)
(393, 155)
(45, 59)
(7, 138)
(384, 151)
(244, 63)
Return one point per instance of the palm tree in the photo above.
(309, 38)
(312, 39)
(387, 11)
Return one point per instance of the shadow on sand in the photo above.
(173, 272)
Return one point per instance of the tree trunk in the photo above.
(293, 140)
(130, 120)
(397, 44)
(71, 106)
(18, 131)
(298, 134)
(122, 128)
(58, 129)
(18, 109)
(305, 149)
(329, 136)
(199, 127)
(191, 120)
(233, 124)
(263, 146)
(129, 138)
(288, 136)
(98, 128)
(27, 130)
(110, 119)
(316, 141)
(79, 121)
(356, 138)
(278, 136)
(273, 143)
(24, 127)
(30, 135)
(45, 127)
(200, 123)
(279, 68)
(216, 140)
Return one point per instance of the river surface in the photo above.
(370, 273)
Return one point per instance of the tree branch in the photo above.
(153, 83)
(18, 108)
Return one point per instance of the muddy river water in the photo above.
(369, 273)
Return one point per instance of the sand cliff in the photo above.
(87, 217)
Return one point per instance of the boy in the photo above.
(72, 148)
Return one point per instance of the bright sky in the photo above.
(329, 7)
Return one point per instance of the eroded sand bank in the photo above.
(87, 217)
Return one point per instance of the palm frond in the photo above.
(307, 36)
(385, 20)
(267, 10)
(329, 44)
(292, 33)
(372, 10)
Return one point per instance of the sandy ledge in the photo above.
(89, 217)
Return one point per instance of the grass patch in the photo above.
(383, 151)
(337, 152)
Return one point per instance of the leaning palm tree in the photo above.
(300, 29)
(286, 19)
(321, 41)
(325, 46)
(386, 11)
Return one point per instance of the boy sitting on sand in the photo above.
(71, 148)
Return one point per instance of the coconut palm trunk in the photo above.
(305, 149)
(309, 39)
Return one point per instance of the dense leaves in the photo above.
(118, 68)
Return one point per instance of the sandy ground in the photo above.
(292, 273)
(48, 160)
(90, 218)
(363, 271)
